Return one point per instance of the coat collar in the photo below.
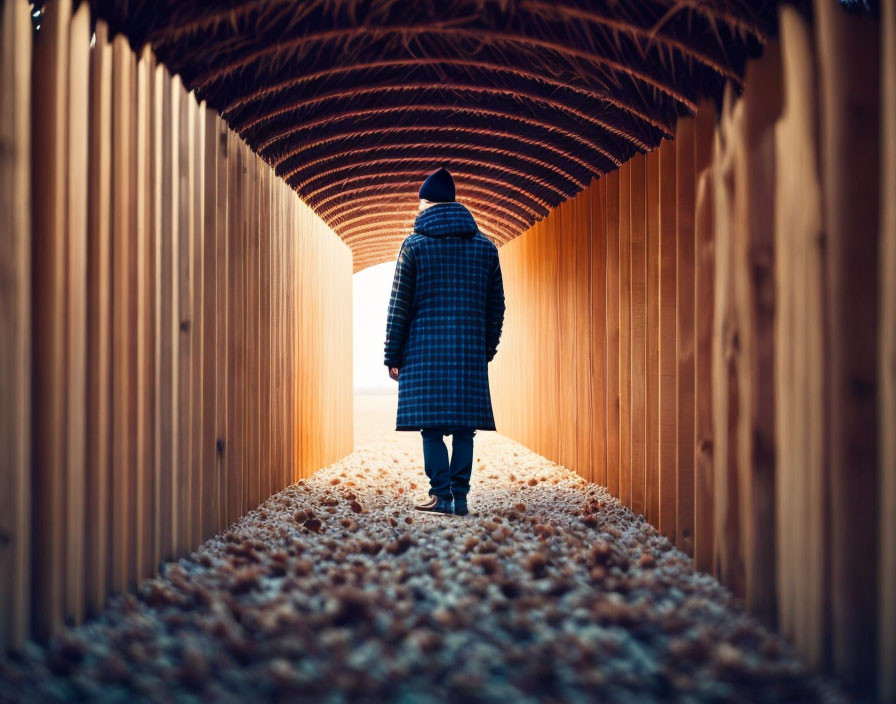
(446, 220)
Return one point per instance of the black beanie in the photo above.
(438, 187)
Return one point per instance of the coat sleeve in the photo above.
(400, 305)
(494, 310)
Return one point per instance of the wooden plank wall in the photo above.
(183, 319)
(741, 321)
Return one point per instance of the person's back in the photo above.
(444, 323)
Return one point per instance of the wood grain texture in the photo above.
(211, 308)
(598, 332)
(223, 298)
(98, 535)
(185, 165)
(123, 218)
(144, 320)
(800, 416)
(668, 398)
(652, 371)
(685, 186)
(581, 227)
(197, 322)
(612, 309)
(15, 315)
(638, 254)
(755, 294)
(728, 561)
(704, 291)
(566, 330)
(848, 47)
(625, 333)
(77, 116)
(50, 150)
(166, 226)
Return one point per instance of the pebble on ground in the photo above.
(335, 589)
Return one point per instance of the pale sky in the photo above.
(371, 289)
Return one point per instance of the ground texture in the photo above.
(336, 590)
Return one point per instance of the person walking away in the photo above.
(443, 327)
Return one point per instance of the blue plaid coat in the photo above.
(444, 321)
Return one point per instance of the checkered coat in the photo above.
(444, 321)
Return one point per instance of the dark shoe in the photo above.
(436, 505)
(460, 507)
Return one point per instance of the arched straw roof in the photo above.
(524, 101)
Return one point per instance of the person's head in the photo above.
(437, 188)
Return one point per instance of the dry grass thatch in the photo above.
(524, 101)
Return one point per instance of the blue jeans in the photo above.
(447, 480)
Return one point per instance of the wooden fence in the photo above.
(710, 332)
(177, 323)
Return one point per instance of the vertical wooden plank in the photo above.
(168, 319)
(887, 630)
(266, 415)
(150, 322)
(652, 378)
(728, 561)
(285, 336)
(668, 396)
(704, 270)
(638, 253)
(548, 299)
(263, 362)
(250, 217)
(625, 335)
(49, 149)
(599, 331)
(76, 312)
(198, 499)
(303, 357)
(584, 383)
(848, 46)
(212, 305)
(800, 418)
(292, 392)
(612, 308)
(144, 320)
(223, 306)
(184, 268)
(15, 312)
(254, 409)
(561, 227)
(274, 321)
(131, 200)
(122, 323)
(316, 332)
(235, 350)
(755, 293)
(99, 441)
(685, 184)
(247, 410)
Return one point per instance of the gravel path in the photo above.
(335, 590)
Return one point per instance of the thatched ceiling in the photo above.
(524, 101)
